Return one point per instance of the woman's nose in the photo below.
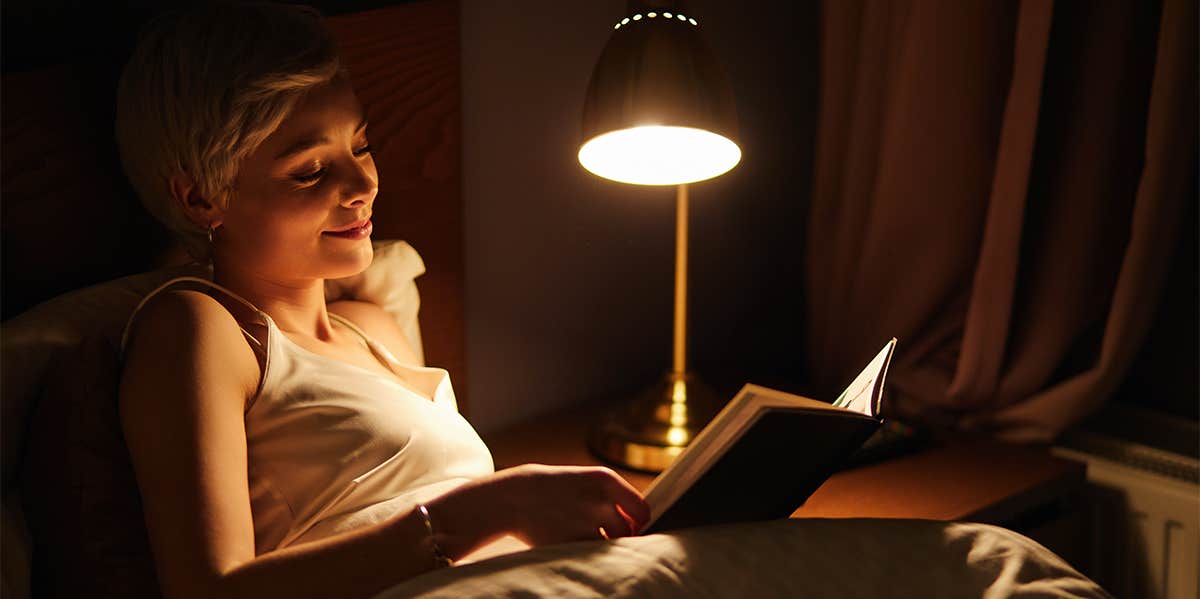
(361, 185)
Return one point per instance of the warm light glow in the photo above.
(656, 155)
(677, 436)
(637, 17)
(617, 26)
(625, 21)
(652, 15)
(681, 17)
(667, 15)
(693, 21)
(678, 416)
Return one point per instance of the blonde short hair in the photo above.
(204, 88)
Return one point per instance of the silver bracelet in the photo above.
(439, 556)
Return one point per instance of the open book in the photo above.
(765, 453)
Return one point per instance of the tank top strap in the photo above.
(128, 323)
(380, 352)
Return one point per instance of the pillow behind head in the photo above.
(32, 340)
(78, 488)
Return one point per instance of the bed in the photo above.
(78, 252)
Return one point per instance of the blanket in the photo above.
(786, 558)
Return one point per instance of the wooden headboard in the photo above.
(68, 217)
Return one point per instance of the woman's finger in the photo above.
(629, 520)
(613, 525)
(628, 497)
(638, 510)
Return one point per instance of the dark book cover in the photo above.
(771, 470)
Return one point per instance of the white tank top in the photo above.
(333, 446)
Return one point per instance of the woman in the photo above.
(284, 446)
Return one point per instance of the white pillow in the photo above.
(30, 340)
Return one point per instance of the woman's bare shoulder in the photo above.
(378, 324)
(185, 333)
(180, 313)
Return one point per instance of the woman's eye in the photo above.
(310, 177)
(315, 175)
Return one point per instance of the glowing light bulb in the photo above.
(693, 21)
(625, 21)
(652, 15)
(659, 155)
(617, 26)
(667, 15)
(637, 17)
(681, 17)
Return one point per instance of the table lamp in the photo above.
(659, 111)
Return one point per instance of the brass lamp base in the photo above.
(647, 432)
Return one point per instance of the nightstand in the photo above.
(1022, 488)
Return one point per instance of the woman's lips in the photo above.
(360, 232)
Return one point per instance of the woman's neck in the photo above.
(296, 306)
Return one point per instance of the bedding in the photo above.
(813, 557)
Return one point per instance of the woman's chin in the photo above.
(350, 263)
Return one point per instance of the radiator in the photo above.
(1143, 511)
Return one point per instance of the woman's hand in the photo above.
(554, 504)
(540, 505)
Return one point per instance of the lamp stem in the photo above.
(681, 268)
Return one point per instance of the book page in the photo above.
(866, 390)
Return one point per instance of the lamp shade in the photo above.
(659, 109)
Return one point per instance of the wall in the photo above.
(569, 276)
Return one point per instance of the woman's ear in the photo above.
(199, 209)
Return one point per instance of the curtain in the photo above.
(1000, 186)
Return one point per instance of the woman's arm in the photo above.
(187, 376)
(181, 412)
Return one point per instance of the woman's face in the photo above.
(313, 177)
